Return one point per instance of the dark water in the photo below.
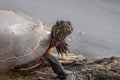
(96, 22)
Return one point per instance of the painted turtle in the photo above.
(25, 42)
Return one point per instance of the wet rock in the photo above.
(77, 69)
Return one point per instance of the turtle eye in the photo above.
(69, 22)
(61, 22)
(57, 23)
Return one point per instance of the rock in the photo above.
(78, 68)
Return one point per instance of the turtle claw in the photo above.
(62, 48)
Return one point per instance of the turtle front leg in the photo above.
(56, 65)
(62, 48)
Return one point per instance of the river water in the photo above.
(96, 23)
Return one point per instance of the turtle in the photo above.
(26, 42)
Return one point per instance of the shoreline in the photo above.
(79, 69)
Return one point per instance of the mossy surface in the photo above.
(14, 76)
(18, 76)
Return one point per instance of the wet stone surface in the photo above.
(100, 69)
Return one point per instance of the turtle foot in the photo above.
(62, 48)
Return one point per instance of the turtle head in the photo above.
(61, 30)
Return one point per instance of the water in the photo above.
(96, 22)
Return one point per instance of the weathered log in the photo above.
(70, 58)
(86, 71)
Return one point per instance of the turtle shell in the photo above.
(22, 38)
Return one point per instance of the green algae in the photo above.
(17, 76)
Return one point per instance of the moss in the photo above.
(18, 76)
